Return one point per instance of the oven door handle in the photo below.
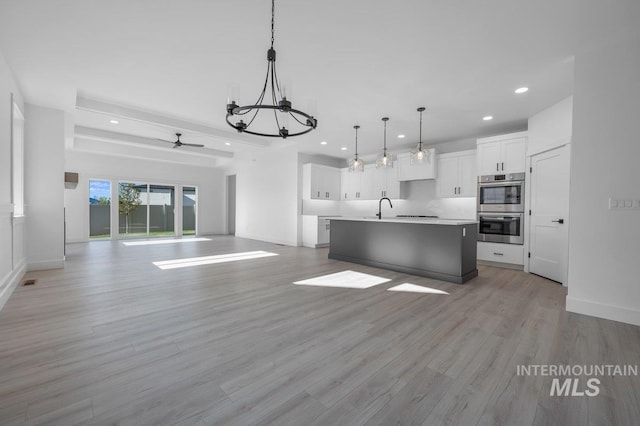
(502, 183)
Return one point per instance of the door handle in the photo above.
(560, 221)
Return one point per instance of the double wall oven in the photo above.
(501, 208)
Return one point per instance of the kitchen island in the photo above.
(435, 248)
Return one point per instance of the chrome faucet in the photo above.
(379, 214)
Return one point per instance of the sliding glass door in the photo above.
(133, 202)
(144, 209)
(161, 210)
(189, 210)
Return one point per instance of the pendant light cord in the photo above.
(273, 13)
(385, 138)
(421, 110)
(420, 130)
(385, 119)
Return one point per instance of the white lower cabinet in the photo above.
(315, 231)
(502, 253)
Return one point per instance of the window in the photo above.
(99, 209)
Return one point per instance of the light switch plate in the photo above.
(624, 204)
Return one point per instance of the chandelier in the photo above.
(355, 163)
(384, 159)
(419, 154)
(277, 102)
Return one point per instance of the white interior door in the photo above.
(549, 213)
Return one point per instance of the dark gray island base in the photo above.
(440, 249)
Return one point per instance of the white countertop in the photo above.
(424, 221)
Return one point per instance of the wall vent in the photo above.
(29, 282)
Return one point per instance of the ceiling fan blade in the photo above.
(175, 145)
(162, 140)
(193, 144)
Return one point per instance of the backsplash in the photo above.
(420, 200)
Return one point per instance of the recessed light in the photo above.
(344, 148)
(487, 118)
(522, 90)
(227, 143)
(113, 121)
(323, 143)
(400, 136)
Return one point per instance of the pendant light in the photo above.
(384, 159)
(420, 154)
(279, 104)
(355, 163)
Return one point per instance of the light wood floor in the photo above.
(113, 339)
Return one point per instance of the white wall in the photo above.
(12, 262)
(210, 182)
(550, 128)
(44, 187)
(604, 245)
(267, 206)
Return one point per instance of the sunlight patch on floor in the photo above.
(345, 279)
(414, 288)
(172, 241)
(208, 260)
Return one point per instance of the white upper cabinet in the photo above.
(457, 176)
(355, 185)
(385, 183)
(502, 154)
(320, 182)
(416, 171)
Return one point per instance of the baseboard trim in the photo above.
(501, 265)
(43, 265)
(11, 282)
(601, 310)
(268, 240)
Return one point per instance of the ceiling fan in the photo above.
(178, 143)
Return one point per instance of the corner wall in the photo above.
(44, 187)
(267, 201)
(604, 244)
(12, 259)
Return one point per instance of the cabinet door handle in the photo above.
(502, 166)
(459, 190)
(318, 194)
(497, 167)
(498, 254)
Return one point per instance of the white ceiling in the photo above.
(347, 62)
